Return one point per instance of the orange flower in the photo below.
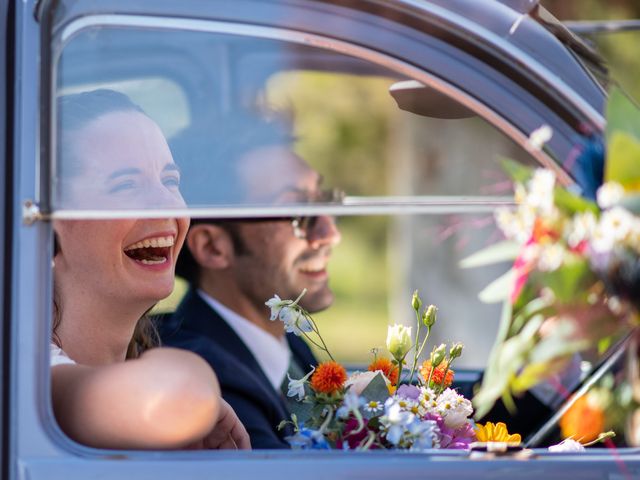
(584, 421)
(438, 374)
(329, 377)
(542, 232)
(385, 366)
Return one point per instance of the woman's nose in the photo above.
(324, 232)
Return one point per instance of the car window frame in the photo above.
(57, 447)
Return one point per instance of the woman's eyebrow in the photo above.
(171, 167)
(123, 172)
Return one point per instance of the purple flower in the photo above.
(408, 391)
(458, 439)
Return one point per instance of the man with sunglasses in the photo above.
(235, 265)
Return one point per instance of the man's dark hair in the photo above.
(211, 164)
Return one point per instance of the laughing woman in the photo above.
(107, 275)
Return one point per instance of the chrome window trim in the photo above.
(351, 206)
(69, 31)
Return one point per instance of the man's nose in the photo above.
(324, 232)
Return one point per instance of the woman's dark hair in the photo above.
(75, 112)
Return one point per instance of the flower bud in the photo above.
(438, 354)
(399, 340)
(456, 350)
(416, 302)
(429, 316)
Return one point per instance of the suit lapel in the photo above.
(198, 317)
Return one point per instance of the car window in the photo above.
(368, 132)
(270, 126)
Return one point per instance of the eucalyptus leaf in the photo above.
(500, 289)
(623, 160)
(376, 390)
(302, 410)
(499, 252)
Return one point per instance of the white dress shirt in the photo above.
(58, 357)
(271, 353)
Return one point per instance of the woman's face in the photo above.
(124, 162)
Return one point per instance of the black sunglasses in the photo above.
(301, 225)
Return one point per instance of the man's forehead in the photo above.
(276, 173)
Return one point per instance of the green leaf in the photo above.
(623, 160)
(572, 278)
(302, 410)
(499, 252)
(622, 115)
(534, 306)
(517, 171)
(495, 379)
(604, 344)
(572, 204)
(500, 289)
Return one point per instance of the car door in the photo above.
(6, 33)
(204, 58)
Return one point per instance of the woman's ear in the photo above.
(210, 245)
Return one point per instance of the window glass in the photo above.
(279, 128)
(217, 98)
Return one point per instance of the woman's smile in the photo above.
(154, 251)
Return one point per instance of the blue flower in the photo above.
(307, 439)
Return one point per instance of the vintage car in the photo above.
(404, 105)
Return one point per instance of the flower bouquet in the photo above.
(381, 408)
(575, 281)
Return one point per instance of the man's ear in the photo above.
(210, 245)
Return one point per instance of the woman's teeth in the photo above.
(153, 262)
(151, 251)
(156, 242)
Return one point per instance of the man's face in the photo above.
(274, 260)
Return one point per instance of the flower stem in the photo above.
(317, 332)
(326, 422)
(415, 347)
(444, 375)
(295, 302)
(430, 375)
(415, 361)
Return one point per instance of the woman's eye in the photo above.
(171, 181)
(123, 186)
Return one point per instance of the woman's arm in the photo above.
(166, 399)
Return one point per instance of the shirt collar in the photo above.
(271, 353)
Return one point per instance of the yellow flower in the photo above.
(495, 433)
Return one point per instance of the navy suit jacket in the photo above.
(197, 327)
